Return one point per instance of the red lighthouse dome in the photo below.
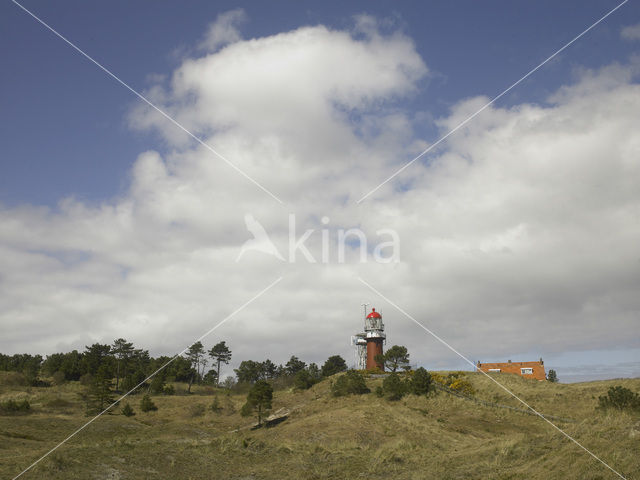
(374, 314)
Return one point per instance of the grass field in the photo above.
(440, 437)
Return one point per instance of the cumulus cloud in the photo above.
(520, 236)
(631, 32)
(224, 30)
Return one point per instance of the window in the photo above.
(526, 371)
(494, 370)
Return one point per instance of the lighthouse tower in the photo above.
(375, 336)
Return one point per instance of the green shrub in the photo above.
(393, 386)
(215, 405)
(620, 398)
(127, 411)
(350, 383)
(147, 405)
(421, 382)
(12, 406)
(303, 380)
(169, 390)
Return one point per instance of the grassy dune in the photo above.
(441, 437)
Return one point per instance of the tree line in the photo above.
(122, 363)
(121, 367)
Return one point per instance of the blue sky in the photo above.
(65, 130)
(526, 218)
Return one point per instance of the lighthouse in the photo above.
(375, 336)
(369, 343)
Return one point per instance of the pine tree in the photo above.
(396, 356)
(99, 395)
(147, 405)
(294, 365)
(194, 355)
(258, 400)
(333, 365)
(122, 350)
(127, 411)
(220, 354)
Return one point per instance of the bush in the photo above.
(215, 405)
(12, 406)
(350, 383)
(157, 385)
(303, 380)
(147, 405)
(620, 398)
(421, 382)
(169, 390)
(462, 386)
(127, 411)
(393, 386)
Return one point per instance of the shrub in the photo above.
(351, 382)
(379, 391)
(552, 376)
(620, 398)
(169, 390)
(303, 380)
(393, 386)
(462, 386)
(421, 382)
(147, 405)
(157, 384)
(215, 405)
(127, 411)
(12, 406)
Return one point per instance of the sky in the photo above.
(517, 237)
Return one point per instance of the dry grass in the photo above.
(327, 438)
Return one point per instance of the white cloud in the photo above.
(224, 30)
(521, 236)
(631, 32)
